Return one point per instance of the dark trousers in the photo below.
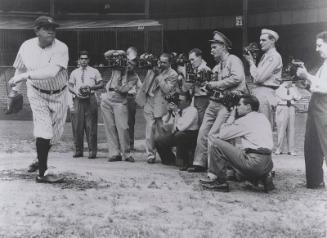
(85, 118)
(201, 103)
(131, 107)
(185, 141)
(315, 142)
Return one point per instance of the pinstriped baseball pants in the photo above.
(49, 113)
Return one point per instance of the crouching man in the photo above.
(184, 134)
(253, 160)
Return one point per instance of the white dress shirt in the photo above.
(188, 121)
(287, 93)
(319, 81)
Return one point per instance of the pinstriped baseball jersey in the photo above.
(31, 57)
(49, 109)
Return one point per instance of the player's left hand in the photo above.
(17, 79)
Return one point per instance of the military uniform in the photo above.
(230, 77)
(266, 77)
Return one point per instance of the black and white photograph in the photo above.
(163, 118)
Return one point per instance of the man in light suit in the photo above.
(158, 83)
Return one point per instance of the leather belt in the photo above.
(50, 92)
(260, 151)
(270, 86)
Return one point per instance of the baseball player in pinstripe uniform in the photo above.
(42, 62)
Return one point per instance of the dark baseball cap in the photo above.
(219, 37)
(45, 21)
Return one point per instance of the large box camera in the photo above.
(117, 60)
(147, 61)
(172, 98)
(198, 77)
(291, 68)
(178, 59)
(252, 48)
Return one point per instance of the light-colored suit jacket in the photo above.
(165, 84)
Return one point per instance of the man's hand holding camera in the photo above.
(302, 73)
(84, 91)
(249, 57)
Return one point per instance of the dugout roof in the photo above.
(8, 23)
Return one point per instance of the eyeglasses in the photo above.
(84, 58)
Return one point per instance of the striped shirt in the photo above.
(32, 57)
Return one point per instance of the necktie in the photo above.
(83, 75)
(288, 101)
(180, 112)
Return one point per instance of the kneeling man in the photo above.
(184, 134)
(253, 160)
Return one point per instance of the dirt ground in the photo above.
(121, 199)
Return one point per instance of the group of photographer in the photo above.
(213, 115)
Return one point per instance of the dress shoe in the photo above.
(130, 159)
(208, 180)
(196, 169)
(92, 156)
(183, 168)
(151, 159)
(217, 186)
(319, 186)
(277, 152)
(115, 158)
(49, 179)
(268, 184)
(33, 167)
(77, 155)
(292, 153)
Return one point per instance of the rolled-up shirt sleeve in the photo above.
(319, 81)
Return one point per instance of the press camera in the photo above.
(252, 49)
(172, 98)
(147, 61)
(291, 68)
(117, 60)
